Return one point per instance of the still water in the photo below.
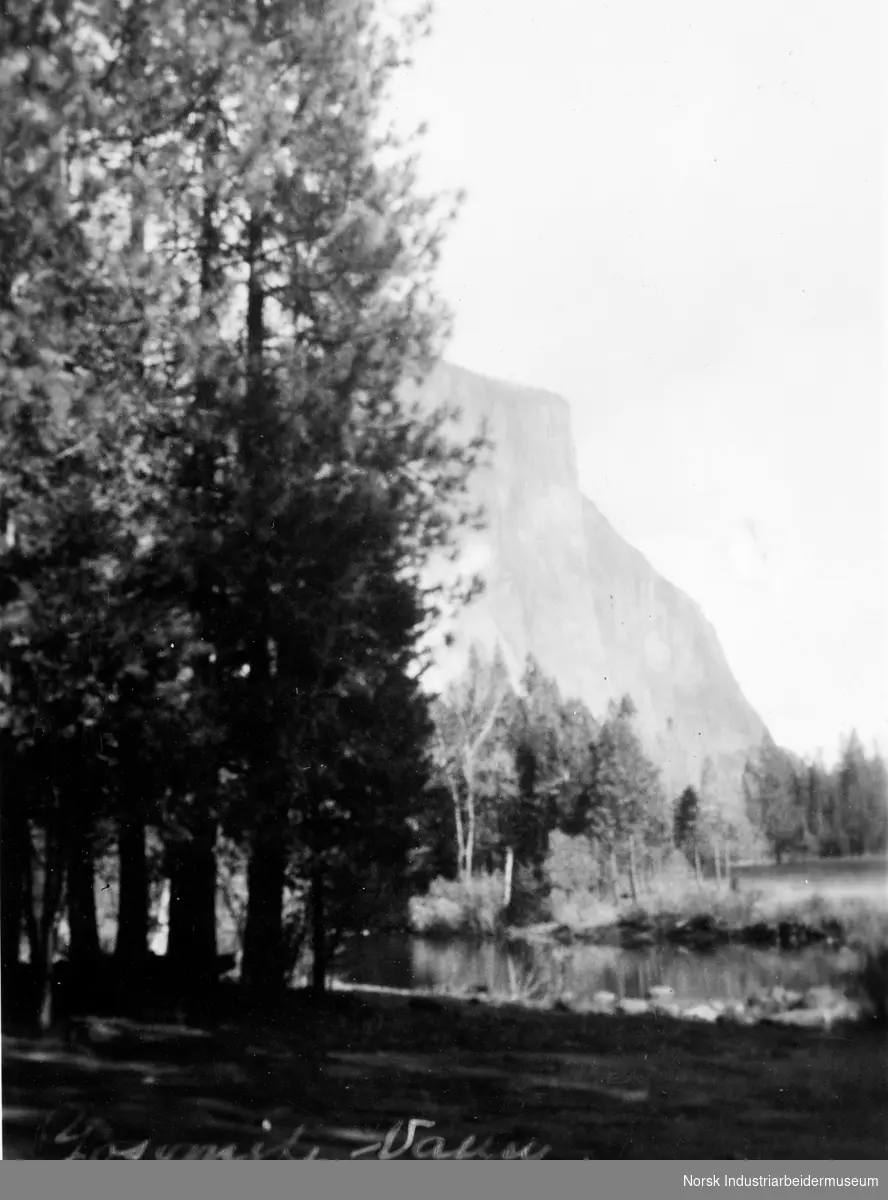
(727, 973)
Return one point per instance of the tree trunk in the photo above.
(615, 875)
(318, 933)
(15, 851)
(633, 877)
(728, 877)
(263, 961)
(507, 880)
(191, 949)
(52, 888)
(82, 917)
(32, 930)
(43, 979)
(718, 873)
(470, 833)
(698, 873)
(460, 835)
(131, 947)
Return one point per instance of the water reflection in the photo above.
(727, 973)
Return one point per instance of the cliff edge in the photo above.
(563, 585)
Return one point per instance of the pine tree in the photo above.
(218, 476)
(772, 804)
(629, 809)
(552, 743)
(686, 827)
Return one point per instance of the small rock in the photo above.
(848, 1010)
(702, 1012)
(634, 1008)
(737, 1017)
(606, 1000)
(800, 1018)
(731, 1016)
(822, 997)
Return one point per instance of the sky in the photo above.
(674, 218)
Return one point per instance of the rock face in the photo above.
(563, 585)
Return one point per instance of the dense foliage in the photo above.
(549, 811)
(805, 807)
(215, 277)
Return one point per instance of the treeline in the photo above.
(533, 788)
(805, 807)
(516, 765)
(215, 511)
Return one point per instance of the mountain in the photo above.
(563, 585)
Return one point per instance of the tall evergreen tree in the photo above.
(629, 809)
(217, 477)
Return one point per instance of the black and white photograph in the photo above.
(443, 581)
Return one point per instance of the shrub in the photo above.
(581, 910)
(571, 865)
(529, 897)
(674, 886)
(473, 906)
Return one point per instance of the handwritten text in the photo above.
(79, 1140)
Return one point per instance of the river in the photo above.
(461, 965)
(729, 972)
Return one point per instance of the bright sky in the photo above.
(674, 219)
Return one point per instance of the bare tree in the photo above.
(465, 721)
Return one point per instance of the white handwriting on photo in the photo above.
(397, 1143)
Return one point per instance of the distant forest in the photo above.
(515, 766)
(216, 517)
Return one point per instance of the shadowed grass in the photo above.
(589, 1086)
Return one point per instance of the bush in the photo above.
(529, 897)
(581, 910)
(571, 865)
(473, 906)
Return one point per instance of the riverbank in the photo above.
(585, 1084)
(712, 951)
(719, 923)
(700, 918)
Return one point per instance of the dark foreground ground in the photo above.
(587, 1086)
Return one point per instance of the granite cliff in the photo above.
(563, 585)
